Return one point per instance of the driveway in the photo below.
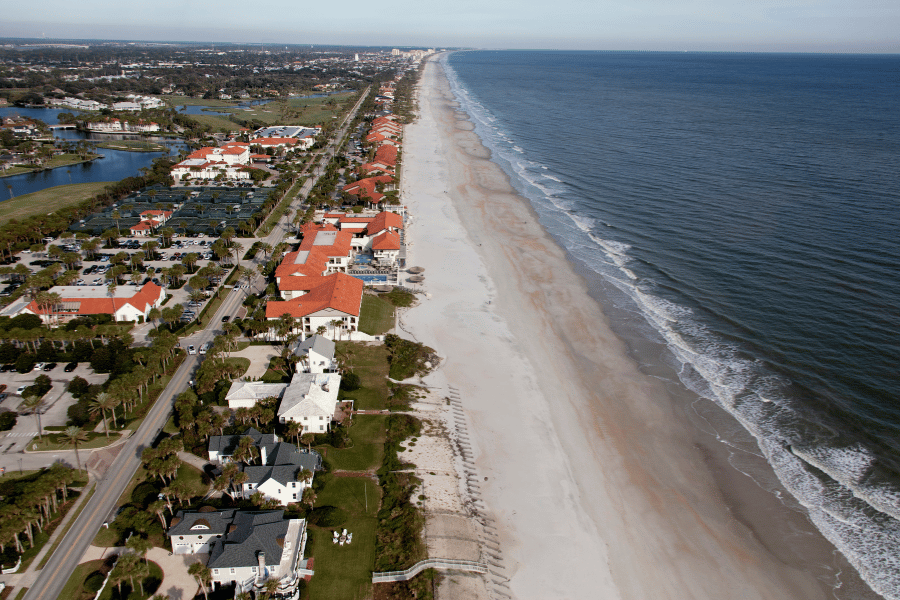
(259, 359)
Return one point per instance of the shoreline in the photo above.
(580, 449)
(42, 168)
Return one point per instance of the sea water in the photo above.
(746, 209)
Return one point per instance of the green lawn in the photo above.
(367, 433)
(345, 572)
(240, 361)
(151, 584)
(371, 364)
(216, 122)
(188, 101)
(49, 200)
(376, 315)
(297, 111)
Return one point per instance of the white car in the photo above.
(192, 350)
(21, 389)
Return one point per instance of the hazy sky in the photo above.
(799, 25)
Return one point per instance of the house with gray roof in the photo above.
(221, 447)
(316, 354)
(311, 400)
(279, 476)
(246, 547)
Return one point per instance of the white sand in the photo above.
(596, 490)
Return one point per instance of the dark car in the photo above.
(7, 368)
(71, 367)
(49, 366)
(226, 318)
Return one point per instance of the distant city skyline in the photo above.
(726, 25)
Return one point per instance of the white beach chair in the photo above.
(349, 538)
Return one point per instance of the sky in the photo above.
(708, 25)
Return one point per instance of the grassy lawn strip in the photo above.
(133, 146)
(371, 364)
(51, 442)
(376, 315)
(367, 433)
(21, 593)
(41, 537)
(49, 200)
(345, 572)
(240, 361)
(74, 588)
(279, 209)
(66, 529)
(151, 584)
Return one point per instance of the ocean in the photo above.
(742, 211)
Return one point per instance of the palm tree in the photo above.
(202, 574)
(73, 436)
(34, 404)
(101, 404)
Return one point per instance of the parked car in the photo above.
(49, 366)
(226, 318)
(21, 389)
(192, 350)
(39, 365)
(7, 368)
(71, 367)
(3, 396)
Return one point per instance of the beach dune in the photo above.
(595, 482)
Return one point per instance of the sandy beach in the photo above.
(595, 485)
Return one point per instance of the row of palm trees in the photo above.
(33, 507)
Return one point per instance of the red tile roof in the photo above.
(384, 220)
(386, 241)
(337, 291)
(147, 295)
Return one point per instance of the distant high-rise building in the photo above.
(395, 52)
(356, 57)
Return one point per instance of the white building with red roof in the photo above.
(127, 303)
(319, 301)
(229, 161)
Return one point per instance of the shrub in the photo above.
(25, 363)
(7, 420)
(94, 582)
(350, 381)
(328, 516)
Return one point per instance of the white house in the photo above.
(245, 548)
(316, 354)
(311, 400)
(245, 394)
(279, 477)
(127, 302)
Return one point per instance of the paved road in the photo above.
(59, 568)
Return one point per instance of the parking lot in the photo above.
(57, 402)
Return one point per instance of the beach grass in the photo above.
(345, 572)
(376, 315)
(367, 433)
(49, 200)
(371, 364)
